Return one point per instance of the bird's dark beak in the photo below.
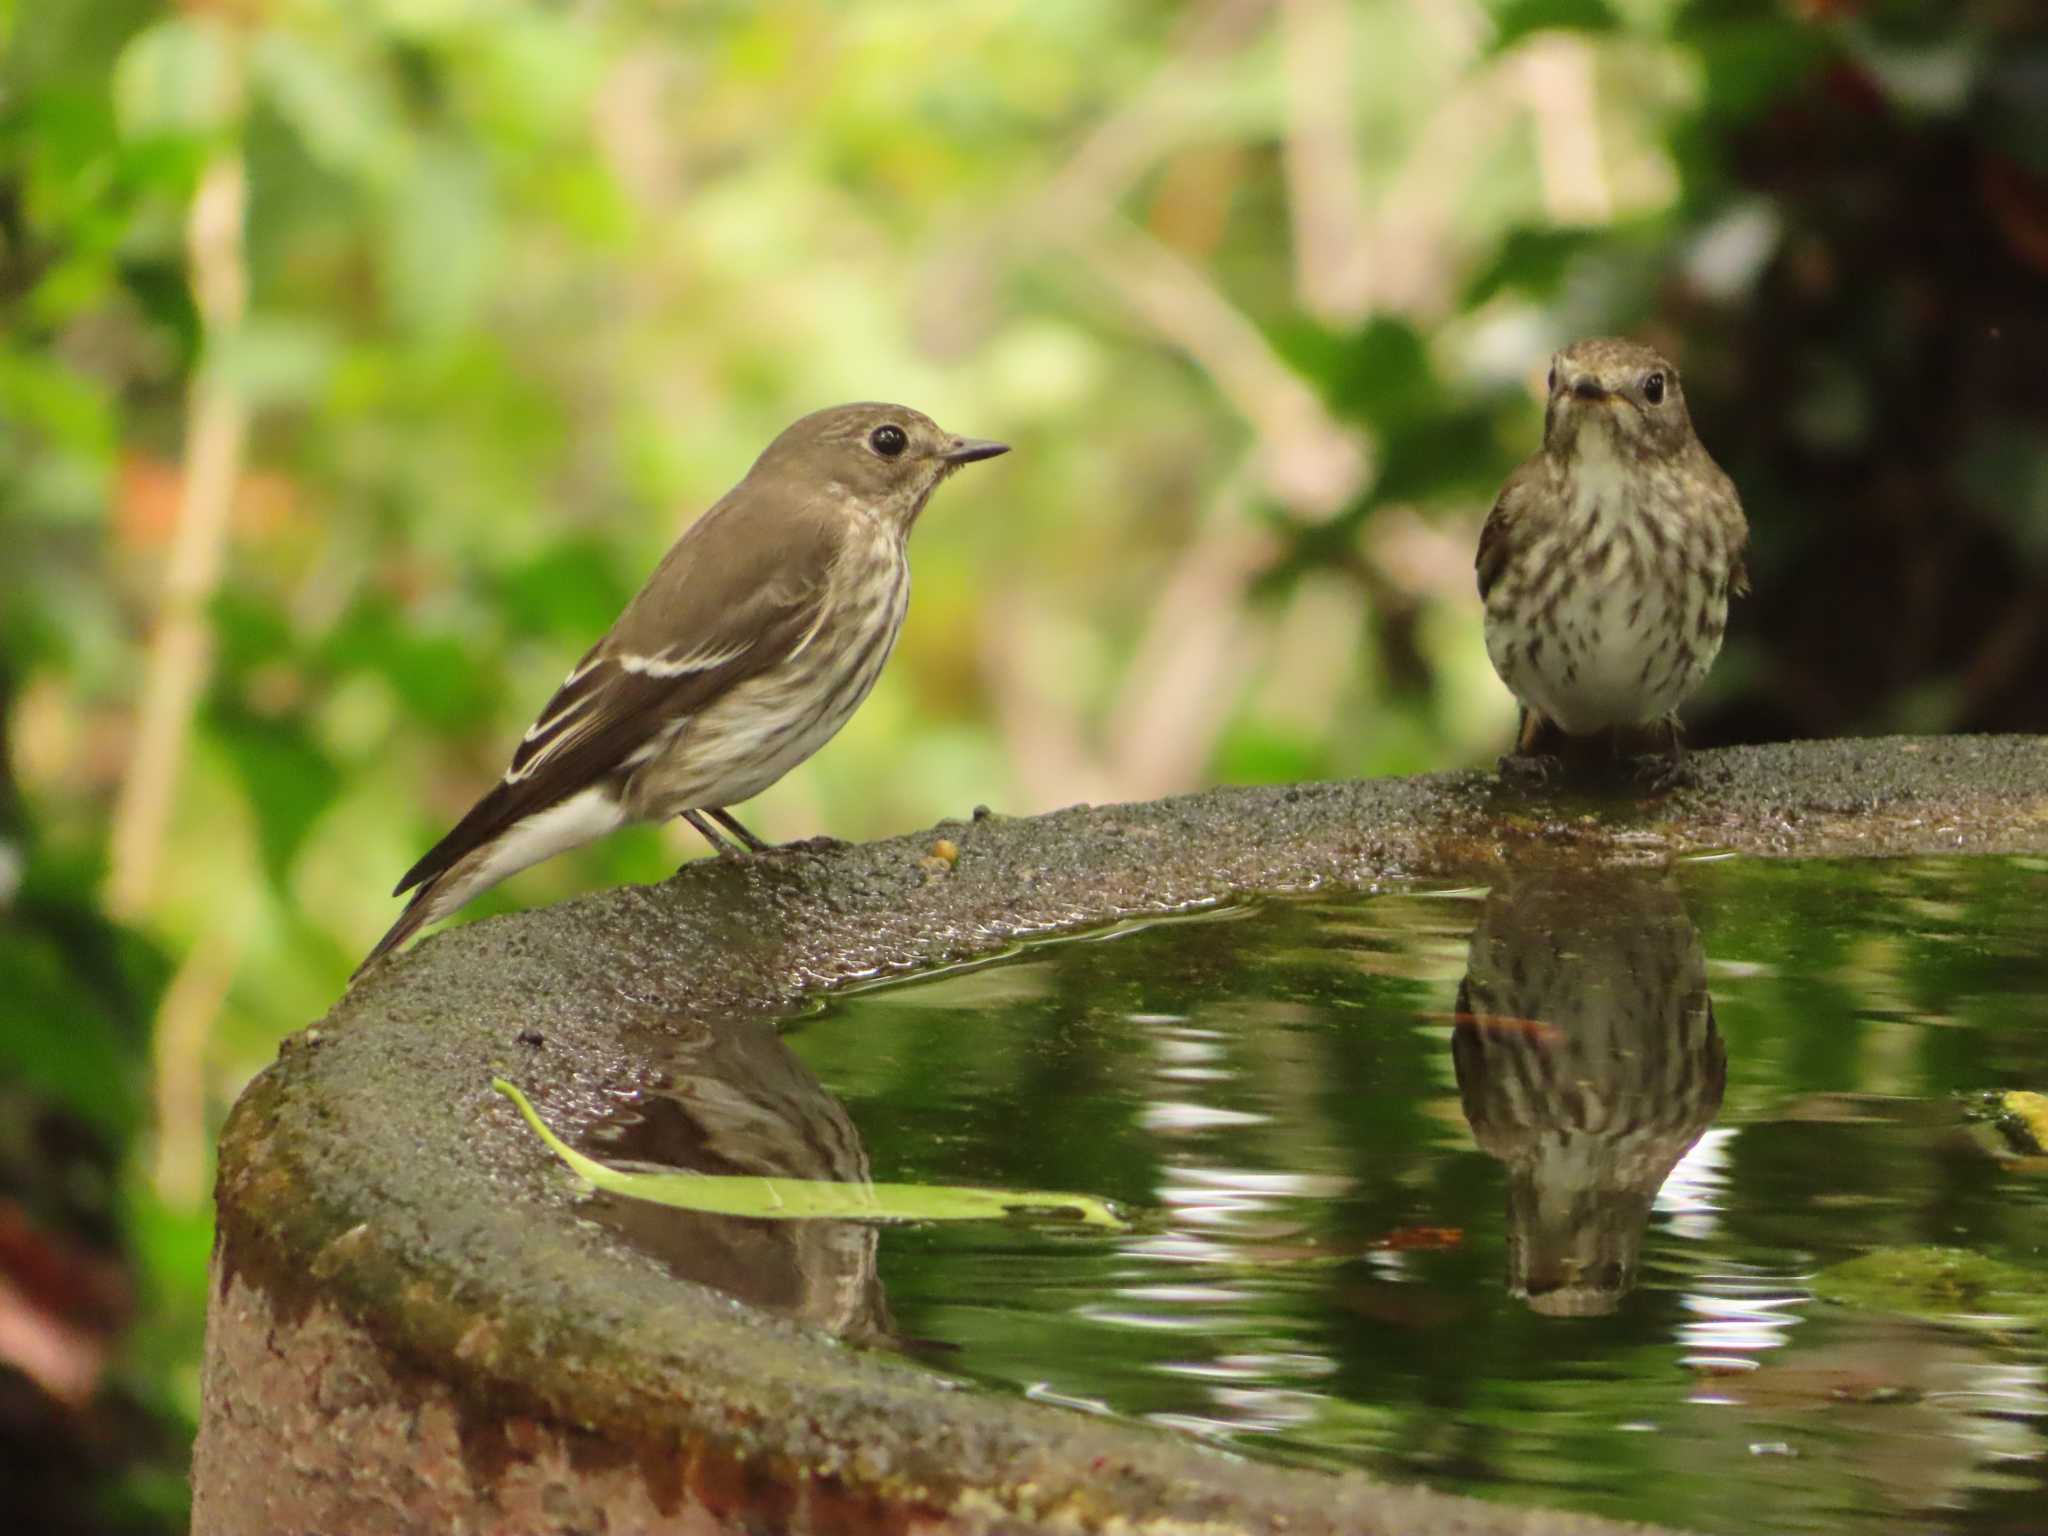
(967, 450)
(1587, 389)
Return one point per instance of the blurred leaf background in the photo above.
(358, 360)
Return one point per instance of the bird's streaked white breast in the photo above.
(1620, 646)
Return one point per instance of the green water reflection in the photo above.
(1511, 1193)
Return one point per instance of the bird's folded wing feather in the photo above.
(1738, 546)
(740, 592)
(1496, 536)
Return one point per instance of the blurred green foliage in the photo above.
(1260, 292)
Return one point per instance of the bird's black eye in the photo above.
(888, 440)
(1653, 389)
(1551, 383)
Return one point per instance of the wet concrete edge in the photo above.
(372, 1171)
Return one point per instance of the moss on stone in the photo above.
(1932, 1282)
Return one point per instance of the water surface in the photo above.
(1511, 1193)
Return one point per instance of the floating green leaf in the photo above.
(813, 1199)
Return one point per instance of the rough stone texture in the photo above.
(412, 1330)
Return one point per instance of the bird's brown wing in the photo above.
(1496, 536)
(741, 591)
(1738, 547)
(1724, 506)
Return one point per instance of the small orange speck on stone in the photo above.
(945, 848)
(479, 1341)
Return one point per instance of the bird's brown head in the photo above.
(886, 458)
(1621, 391)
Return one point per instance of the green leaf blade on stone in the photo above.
(776, 1199)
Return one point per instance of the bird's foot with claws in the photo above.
(1660, 773)
(1530, 770)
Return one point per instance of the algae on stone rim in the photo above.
(1943, 1284)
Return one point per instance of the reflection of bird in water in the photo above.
(1588, 1063)
(736, 1100)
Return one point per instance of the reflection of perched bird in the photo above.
(1589, 1063)
(1608, 560)
(757, 636)
(737, 1100)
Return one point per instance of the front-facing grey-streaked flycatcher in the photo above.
(1609, 558)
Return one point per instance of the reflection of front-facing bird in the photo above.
(1608, 560)
(759, 633)
(1589, 1063)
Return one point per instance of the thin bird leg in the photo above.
(719, 844)
(731, 823)
(1528, 766)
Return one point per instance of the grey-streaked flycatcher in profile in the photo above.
(757, 636)
(1608, 560)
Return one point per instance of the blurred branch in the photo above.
(1201, 641)
(1325, 176)
(1042, 732)
(1425, 556)
(627, 124)
(1465, 26)
(183, 1023)
(1556, 77)
(1128, 141)
(1178, 692)
(1094, 178)
(1309, 461)
(179, 653)
(1410, 264)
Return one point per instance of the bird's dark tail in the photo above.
(420, 911)
(570, 823)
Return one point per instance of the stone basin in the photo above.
(415, 1327)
